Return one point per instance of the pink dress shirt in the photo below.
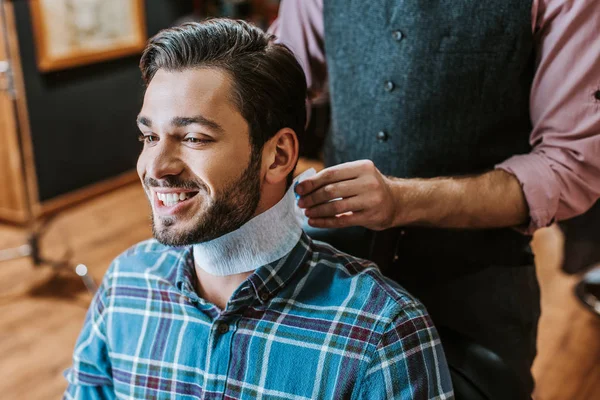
(561, 175)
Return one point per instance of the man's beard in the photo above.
(229, 210)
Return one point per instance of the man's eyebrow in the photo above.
(144, 121)
(181, 122)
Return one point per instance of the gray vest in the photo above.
(428, 88)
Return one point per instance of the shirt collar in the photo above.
(271, 278)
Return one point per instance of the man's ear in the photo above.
(280, 155)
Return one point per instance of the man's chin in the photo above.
(168, 233)
(171, 239)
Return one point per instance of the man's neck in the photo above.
(224, 263)
(218, 289)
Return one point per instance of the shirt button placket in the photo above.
(220, 355)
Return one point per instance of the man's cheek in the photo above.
(141, 168)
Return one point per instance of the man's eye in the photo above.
(194, 140)
(147, 138)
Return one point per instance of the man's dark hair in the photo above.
(269, 86)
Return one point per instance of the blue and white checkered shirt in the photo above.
(316, 324)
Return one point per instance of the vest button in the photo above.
(597, 95)
(397, 35)
(382, 136)
(389, 86)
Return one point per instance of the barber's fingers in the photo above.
(333, 208)
(330, 192)
(337, 173)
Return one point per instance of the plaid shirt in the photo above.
(316, 324)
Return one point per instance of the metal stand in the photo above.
(30, 249)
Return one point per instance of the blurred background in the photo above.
(70, 89)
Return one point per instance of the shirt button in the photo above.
(264, 296)
(382, 136)
(389, 86)
(223, 328)
(397, 35)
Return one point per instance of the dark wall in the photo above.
(83, 119)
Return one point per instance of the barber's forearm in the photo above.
(490, 200)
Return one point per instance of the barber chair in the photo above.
(477, 373)
(582, 255)
(588, 290)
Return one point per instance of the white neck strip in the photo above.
(265, 238)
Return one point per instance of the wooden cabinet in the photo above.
(16, 167)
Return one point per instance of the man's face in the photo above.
(197, 165)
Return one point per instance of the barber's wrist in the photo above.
(413, 205)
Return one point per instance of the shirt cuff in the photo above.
(540, 187)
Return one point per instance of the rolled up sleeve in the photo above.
(561, 176)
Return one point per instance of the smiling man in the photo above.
(231, 299)
(202, 180)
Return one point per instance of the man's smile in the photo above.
(168, 202)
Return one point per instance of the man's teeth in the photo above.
(170, 199)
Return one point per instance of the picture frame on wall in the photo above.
(70, 33)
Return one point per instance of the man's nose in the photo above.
(166, 162)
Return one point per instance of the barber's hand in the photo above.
(365, 197)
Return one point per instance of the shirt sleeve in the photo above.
(560, 176)
(408, 362)
(299, 25)
(90, 376)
